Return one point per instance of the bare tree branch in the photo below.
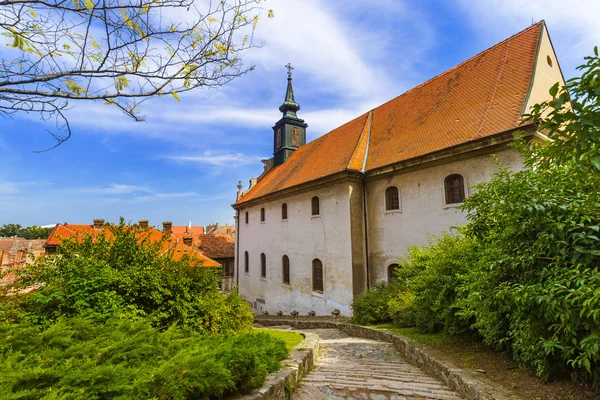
(117, 52)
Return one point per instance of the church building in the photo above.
(330, 218)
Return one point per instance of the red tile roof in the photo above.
(216, 245)
(480, 97)
(177, 248)
(180, 230)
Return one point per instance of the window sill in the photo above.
(286, 286)
(453, 205)
(393, 212)
(318, 294)
(264, 279)
(263, 222)
(315, 217)
(284, 220)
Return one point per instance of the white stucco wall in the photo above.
(302, 238)
(423, 210)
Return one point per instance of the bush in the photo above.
(534, 288)
(373, 306)
(124, 358)
(119, 271)
(434, 275)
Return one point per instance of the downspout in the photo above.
(237, 249)
(364, 187)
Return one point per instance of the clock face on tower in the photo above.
(278, 138)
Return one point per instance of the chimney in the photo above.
(187, 240)
(143, 223)
(167, 228)
(98, 224)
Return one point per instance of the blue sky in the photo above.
(185, 161)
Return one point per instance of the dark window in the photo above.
(262, 215)
(228, 268)
(392, 268)
(285, 264)
(315, 206)
(246, 263)
(263, 265)
(284, 211)
(455, 189)
(246, 216)
(317, 271)
(392, 199)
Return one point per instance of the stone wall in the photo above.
(302, 359)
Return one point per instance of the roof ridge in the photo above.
(462, 63)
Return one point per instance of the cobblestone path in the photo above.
(353, 368)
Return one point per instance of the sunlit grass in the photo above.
(291, 339)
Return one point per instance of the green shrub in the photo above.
(104, 276)
(129, 358)
(535, 286)
(373, 306)
(434, 274)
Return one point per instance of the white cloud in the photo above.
(113, 189)
(7, 188)
(10, 188)
(215, 160)
(162, 196)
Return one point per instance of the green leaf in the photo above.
(175, 96)
(596, 161)
(554, 90)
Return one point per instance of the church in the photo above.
(330, 218)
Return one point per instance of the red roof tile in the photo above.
(216, 245)
(480, 97)
(180, 230)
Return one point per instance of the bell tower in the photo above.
(289, 131)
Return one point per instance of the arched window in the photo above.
(262, 215)
(285, 265)
(391, 272)
(392, 199)
(317, 275)
(263, 265)
(246, 263)
(284, 211)
(315, 206)
(246, 216)
(454, 186)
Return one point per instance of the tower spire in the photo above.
(289, 106)
(290, 131)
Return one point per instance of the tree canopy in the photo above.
(30, 232)
(117, 52)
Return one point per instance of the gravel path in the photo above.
(353, 368)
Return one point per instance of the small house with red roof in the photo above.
(172, 243)
(329, 219)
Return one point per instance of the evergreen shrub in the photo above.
(126, 358)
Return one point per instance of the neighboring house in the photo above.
(218, 247)
(217, 229)
(329, 219)
(171, 244)
(15, 253)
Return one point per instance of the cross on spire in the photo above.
(289, 68)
